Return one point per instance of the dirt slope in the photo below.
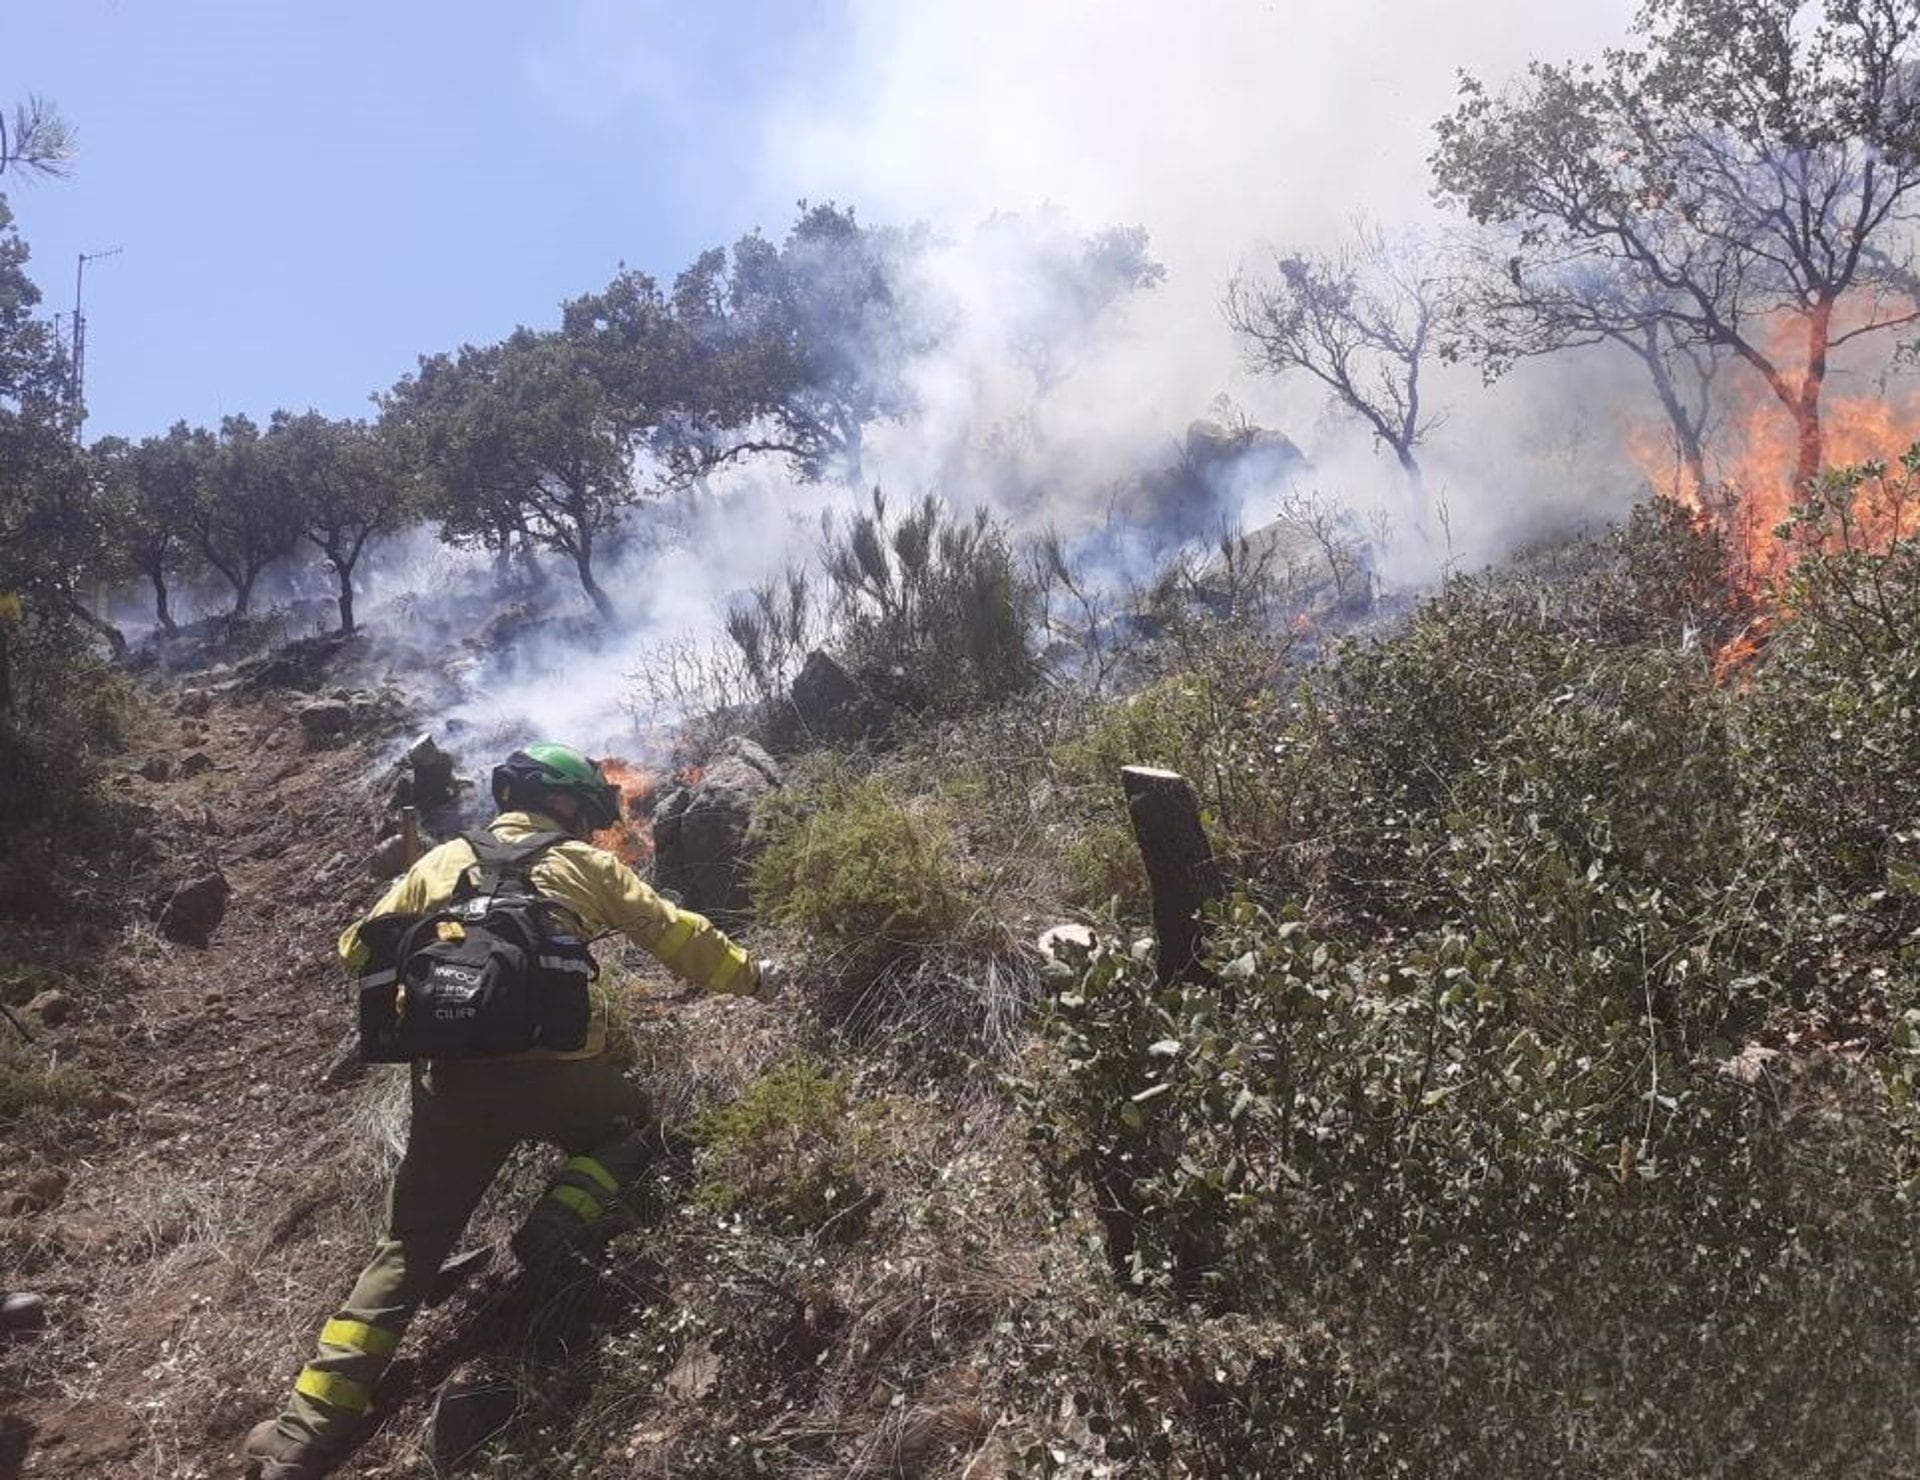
(181, 1258)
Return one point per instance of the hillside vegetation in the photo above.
(1546, 1104)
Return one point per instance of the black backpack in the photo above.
(499, 969)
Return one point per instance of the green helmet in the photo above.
(546, 768)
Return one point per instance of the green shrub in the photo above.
(787, 1153)
(71, 709)
(30, 1088)
(1366, 1156)
(852, 866)
(1551, 715)
(929, 606)
(1509, 1131)
(1212, 720)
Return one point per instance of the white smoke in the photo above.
(1225, 130)
(1219, 126)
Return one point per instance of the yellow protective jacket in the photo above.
(596, 886)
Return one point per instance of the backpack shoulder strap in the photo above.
(499, 862)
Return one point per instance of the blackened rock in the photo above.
(829, 703)
(195, 702)
(388, 859)
(22, 1311)
(703, 834)
(196, 764)
(195, 910)
(158, 768)
(301, 664)
(432, 772)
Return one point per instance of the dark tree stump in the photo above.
(1181, 873)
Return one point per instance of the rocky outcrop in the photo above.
(703, 833)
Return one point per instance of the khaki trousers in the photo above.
(467, 1118)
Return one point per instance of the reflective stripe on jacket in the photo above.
(596, 886)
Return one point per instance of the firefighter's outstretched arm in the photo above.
(686, 942)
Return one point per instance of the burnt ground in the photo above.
(213, 1196)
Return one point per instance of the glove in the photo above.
(770, 979)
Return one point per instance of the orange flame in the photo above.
(631, 837)
(1753, 463)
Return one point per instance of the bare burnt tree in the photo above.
(1363, 321)
(1749, 166)
(1511, 309)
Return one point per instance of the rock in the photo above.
(431, 769)
(1065, 947)
(86, 1235)
(157, 768)
(1753, 1064)
(22, 1311)
(829, 703)
(195, 909)
(53, 1007)
(195, 702)
(196, 764)
(702, 834)
(695, 1374)
(1210, 444)
(325, 718)
(300, 665)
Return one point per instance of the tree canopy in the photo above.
(1745, 178)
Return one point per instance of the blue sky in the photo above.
(312, 193)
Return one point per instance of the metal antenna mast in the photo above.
(79, 409)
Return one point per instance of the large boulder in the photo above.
(703, 833)
(195, 909)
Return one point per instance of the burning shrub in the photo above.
(1833, 715)
(1556, 1033)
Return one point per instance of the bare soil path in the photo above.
(213, 1196)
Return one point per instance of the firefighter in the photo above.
(469, 1114)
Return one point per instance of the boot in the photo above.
(271, 1455)
(553, 1249)
(455, 1273)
